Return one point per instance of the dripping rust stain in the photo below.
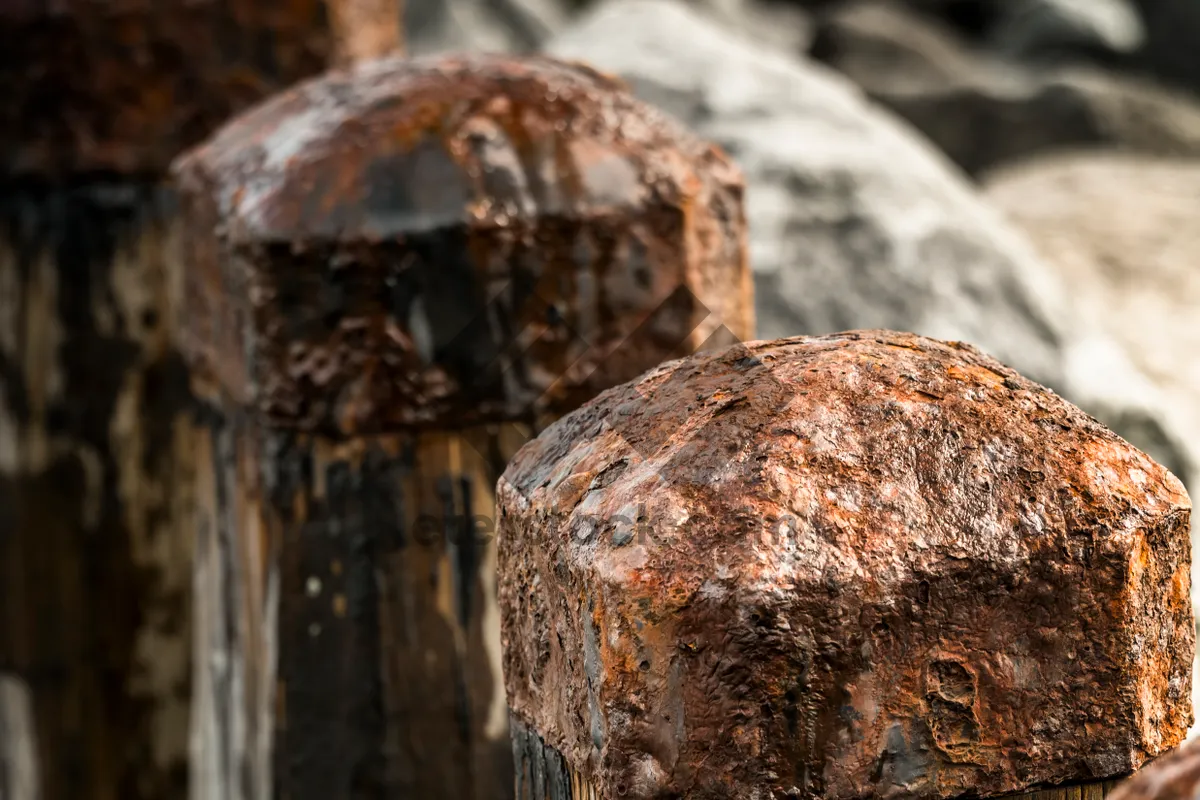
(383, 688)
(880, 566)
(330, 648)
(541, 771)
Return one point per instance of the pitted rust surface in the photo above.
(98, 86)
(1175, 776)
(438, 241)
(861, 565)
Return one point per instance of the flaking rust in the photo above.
(395, 272)
(861, 565)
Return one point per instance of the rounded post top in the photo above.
(865, 421)
(854, 565)
(445, 240)
(396, 146)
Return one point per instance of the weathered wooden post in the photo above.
(861, 565)
(395, 273)
(96, 98)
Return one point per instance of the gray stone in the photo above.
(1039, 29)
(1121, 231)
(983, 111)
(855, 222)
(522, 26)
(776, 24)
(1033, 28)
(499, 26)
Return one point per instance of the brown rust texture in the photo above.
(1175, 776)
(442, 241)
(394, 273)
(122, 86)
(861, 565)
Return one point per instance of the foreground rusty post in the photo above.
(395, 273)
(861, 565)
(98, 97)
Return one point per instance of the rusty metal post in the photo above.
(396, 274)
(97, 98)
(861, 565)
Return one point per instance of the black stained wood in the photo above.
(340, 584)
(541, 771)
(94, 574)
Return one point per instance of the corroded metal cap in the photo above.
(861, 565)
(437, 241)
(122, 86)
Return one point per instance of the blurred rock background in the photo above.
(1020, 174)
(1008, 172)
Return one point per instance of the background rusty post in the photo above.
(861, 565)
(395, 274)
(97, 98)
